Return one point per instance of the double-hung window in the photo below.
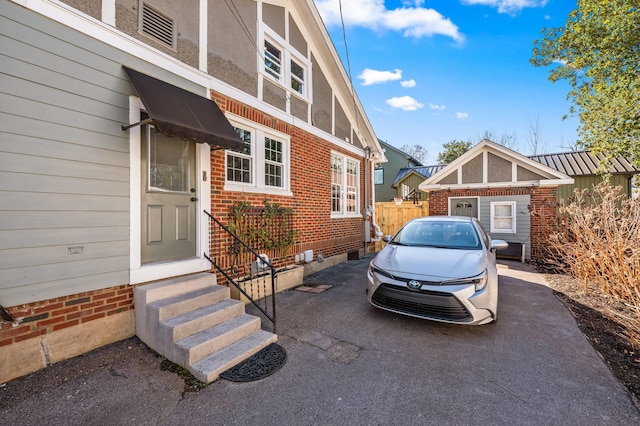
(272, 60)
(503, 218)
(345, 188)
(283, 64)
(263, 165)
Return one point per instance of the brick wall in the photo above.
(544, 210)
(310, 184)
(543, 207)
(41, 318)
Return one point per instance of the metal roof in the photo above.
(425, 171)
(583, 163)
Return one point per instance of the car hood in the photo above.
(430, 263)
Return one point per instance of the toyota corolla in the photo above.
(440, 268)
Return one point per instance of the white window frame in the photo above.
(258, 160)
(378, 176)
(288, 53)
(344, 206)
(496, 230)
(405, 191)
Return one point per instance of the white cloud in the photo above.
(405, 103)
(508, 6)
(408, 83)
(369, 76)
(436, 107)
(412, 20)
(461, 115)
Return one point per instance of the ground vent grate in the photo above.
(263, 364)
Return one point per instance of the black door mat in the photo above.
(260, 365)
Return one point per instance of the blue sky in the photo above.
(431, 71)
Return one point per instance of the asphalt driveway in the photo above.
(349, 363)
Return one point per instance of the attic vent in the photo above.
(157, 25)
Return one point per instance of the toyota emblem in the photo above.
(414, 285)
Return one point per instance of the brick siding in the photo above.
(310, 184)
(41, 318)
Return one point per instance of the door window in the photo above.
(168, 164)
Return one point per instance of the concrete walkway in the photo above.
(349, 363)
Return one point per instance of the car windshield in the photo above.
(444, 234)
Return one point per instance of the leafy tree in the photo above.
(416, 151)
(452, 150)
(598, 52)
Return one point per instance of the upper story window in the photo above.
(157, 25)
(263, 165)
(272, 60)
(378, 176)
(503, 218)
(345, 188)
(283, 64)
(297, 77)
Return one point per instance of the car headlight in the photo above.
(479, 282)
(373, 269)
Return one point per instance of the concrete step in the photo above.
(188, 301)
(182, 326)
(174, 286)
(199, 345)
(209, 368)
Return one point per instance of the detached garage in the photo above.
(512, 195)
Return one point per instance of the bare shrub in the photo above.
(597, 241)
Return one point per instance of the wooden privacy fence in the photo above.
(390, 217)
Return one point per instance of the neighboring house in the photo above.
(512, 195)
(385, 173)
(219, 105)
(582, 166)
(409, 179)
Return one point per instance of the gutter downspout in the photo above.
(369, 186)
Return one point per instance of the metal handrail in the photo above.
(242, 271)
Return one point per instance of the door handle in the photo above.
(194, 199)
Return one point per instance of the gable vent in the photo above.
(157, 25)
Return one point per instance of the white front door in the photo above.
(463, 207)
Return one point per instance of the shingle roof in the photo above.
(583, 163)
(425, 171)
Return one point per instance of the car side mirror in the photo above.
(386, 238)
(499, 244)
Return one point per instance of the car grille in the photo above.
(423, 303)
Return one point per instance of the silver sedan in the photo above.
(441, 268)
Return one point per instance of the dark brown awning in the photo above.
(178, 113)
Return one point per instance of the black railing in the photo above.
(250, 273)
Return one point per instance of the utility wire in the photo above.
(346, 52)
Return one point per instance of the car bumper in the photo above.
(457, 304)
